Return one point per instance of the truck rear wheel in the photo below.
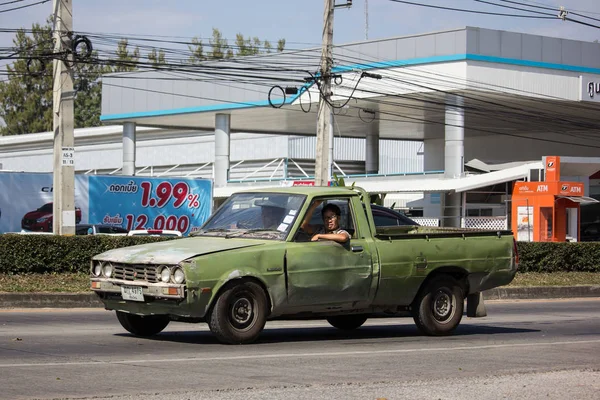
(148, 325)
(438, 309)
(347, 322)
(239, 313)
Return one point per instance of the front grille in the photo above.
(135, 272)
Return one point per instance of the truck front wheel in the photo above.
(239, 314)
(438, 309)
(347, 322)
(148, 325)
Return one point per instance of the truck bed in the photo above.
(397, 232)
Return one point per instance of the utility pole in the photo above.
(366, 19)
(324, 113)
(64, 142)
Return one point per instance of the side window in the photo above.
(382, 219)
(346, 220)
(104, 229)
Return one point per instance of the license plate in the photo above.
(133, 293)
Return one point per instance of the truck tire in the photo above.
(347, 322)
(239, 313)
(149, 325)
(438, 308)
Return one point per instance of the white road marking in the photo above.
(296, 355)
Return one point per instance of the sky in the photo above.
(299, 22)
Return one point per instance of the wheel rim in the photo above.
(443, 305)
(241, 311)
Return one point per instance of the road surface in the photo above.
(522, 349)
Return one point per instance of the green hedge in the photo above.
(555, 257)
(22, 254)
(41, 254)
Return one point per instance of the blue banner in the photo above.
(150, 203)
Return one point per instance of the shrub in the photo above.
(24, 254)
(555, 257)
(42, 254)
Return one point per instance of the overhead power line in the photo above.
(547, 6)
(582, 23)
(514, 8)
(25, 6)
(471, 11)
(12, 2)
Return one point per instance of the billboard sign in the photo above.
(182, 204)
(150, 203)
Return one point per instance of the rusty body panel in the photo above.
(378, 270)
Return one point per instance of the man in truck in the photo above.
(330, 230)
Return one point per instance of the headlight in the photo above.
(178, 275)
(107, 270)
(43, 219)
(165, 273)
(97, 269)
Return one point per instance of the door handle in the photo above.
(357, 249)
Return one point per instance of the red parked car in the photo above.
(40, 220)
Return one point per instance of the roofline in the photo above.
(353, 67)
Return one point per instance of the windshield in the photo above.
(263, 215)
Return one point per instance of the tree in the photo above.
(219, 47)
(126, 60)
(197, 50)
(249, 47)
(156, 58)
(26, 97)
(280, 45)
(88, 93)
(268, 46)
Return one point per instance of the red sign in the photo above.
(552, 169)
(555, 188)
(303, 183)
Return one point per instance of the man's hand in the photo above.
(315, 238)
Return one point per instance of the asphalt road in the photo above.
(523, 349)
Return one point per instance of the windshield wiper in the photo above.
(208, 230)
(237, 234)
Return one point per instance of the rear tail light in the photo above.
(155, 231)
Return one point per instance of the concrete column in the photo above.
(128, 149)
(222, 146)
(454, 151)
(372, 149)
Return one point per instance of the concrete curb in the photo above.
(541, 292)
(49, 300)
(90, 300)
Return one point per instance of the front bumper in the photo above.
(152, 290)
(185, 302)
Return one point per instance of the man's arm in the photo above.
(306, 227)
(340, 237)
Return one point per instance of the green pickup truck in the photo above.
(256, 260)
